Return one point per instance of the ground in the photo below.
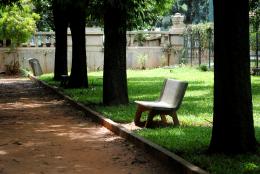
(43, 134)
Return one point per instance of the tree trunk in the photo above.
(233, 127)
(188, 18)
(61, 25)
(115, 78)
(257, 46)
(78, 77)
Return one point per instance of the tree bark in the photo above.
(233, 127)
(61, 25)
(114, 75)
(78, 77)
(257, 46)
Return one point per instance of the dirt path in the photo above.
(42, 134)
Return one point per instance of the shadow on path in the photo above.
(41, 133)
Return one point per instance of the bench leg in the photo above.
(175, 119)
(164, 120)
(138, 114)
(149, 120)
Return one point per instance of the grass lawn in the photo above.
(192, 138)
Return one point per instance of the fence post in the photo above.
(257, 48)
(209, 50)
(191, 48)
(199, 41)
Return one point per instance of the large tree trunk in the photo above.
(114, 77)
(233, 129)
(61, 25)
(78, 77)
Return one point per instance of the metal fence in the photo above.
(197, 53)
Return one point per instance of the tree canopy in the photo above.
(196, 11)
(140, 13)
(254, 13)
(43, 8)
(8, 2)
(18, 23)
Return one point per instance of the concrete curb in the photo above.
(180, 165)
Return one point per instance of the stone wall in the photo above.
(95, 52)
(94, 57)
(42, 47)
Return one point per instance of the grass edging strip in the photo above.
(179, 164)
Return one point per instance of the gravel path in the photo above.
(42, 134)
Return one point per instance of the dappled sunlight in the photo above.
(34, 143)
(88, 134)
(29, 105)
(13, 80)
(2, 152)
(20, 105)
(75, 136)
(179, 139)
(145, 97)
(49, 130)
(55, 126)
(109, 139)
(85, 132)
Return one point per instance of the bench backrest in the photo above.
(173, 92)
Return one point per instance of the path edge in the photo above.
(180, 165)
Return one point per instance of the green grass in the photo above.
(191, 139)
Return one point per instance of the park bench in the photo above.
(169, 102)
(36, 67)
(256, 71)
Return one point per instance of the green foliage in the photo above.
(145, 13)
(43, 8)
(18, 23)
(140, 13)
(254, 13)
(203, 67)
(142, 58)
(196, 11)
(24, 72)
(253, 41)
(4, 3)
(203, 32)
(168, 48)
(140, 38)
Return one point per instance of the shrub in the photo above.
(13, 68)
(17, 23)
(142, 58)
(140, 38)
(253, 41)
(203, 68)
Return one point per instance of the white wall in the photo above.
(95, 53)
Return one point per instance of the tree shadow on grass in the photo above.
(197, 101)
(191, 143)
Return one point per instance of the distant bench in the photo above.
(256, 71)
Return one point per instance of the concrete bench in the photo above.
(169, 102)
(256, 71)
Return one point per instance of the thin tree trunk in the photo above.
(189, 16)
(78, 77)
(61, 25)
(115, 77)
(233, 129)
(257, 46)
(200, 48)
